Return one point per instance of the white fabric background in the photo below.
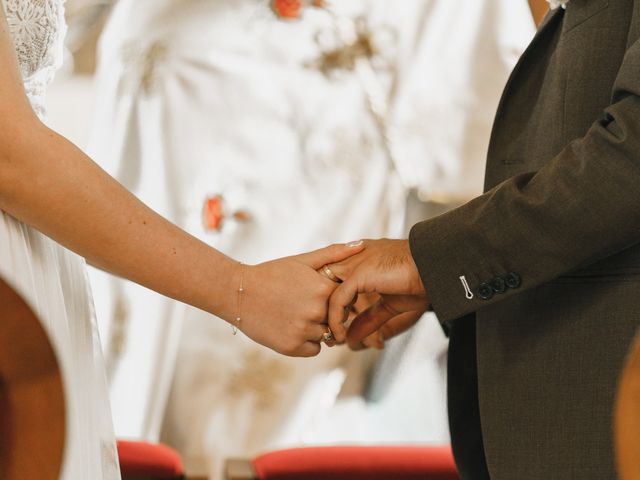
(213, 97)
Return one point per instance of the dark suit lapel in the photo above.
(580, 11)
(550, 14)
(634, 27)
(550, 23)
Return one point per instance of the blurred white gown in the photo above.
(53, 279)
(198, 98)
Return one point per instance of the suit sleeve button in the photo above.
(499, 285)
(485, 291)
(513, 280)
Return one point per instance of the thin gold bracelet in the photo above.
(236, 326)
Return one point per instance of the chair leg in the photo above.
(239, 469)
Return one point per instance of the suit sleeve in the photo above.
(581, 207)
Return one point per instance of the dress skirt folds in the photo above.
(53, 281)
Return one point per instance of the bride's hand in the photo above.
(284, 305)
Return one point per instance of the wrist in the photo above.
(237, 320)
(416, 286)
(223, 300)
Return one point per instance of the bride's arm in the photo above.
(48, 183)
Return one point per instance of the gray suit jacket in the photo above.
(551, 256)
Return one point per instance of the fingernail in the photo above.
(355, 243)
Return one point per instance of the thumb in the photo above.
(331, 254)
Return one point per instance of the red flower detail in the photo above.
(213, 213)
(289, 9)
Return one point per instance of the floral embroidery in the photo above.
(259, 376)
(34, 26)
(28, 21)
(553, 4)
(292, 9)
(37, 29)
(147, 62)
(215, 213)
(374, 45)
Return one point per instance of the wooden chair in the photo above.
(32, 413)
(627, 417)
(348, 462)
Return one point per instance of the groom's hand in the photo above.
(385, 267)
(391, 315)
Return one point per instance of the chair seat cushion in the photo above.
(358, 463)
(142, 459)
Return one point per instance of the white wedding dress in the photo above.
(52, 279)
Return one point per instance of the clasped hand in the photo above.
(384, 270)
(292, 302)
(362, 292)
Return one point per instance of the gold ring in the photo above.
(327, 336)
(329, 274)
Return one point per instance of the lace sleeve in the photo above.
(37, 28)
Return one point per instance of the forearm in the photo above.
(580, 208)
(48, 183)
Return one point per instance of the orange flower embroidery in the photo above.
(213, 213)
(288, 9)
(292, 9)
